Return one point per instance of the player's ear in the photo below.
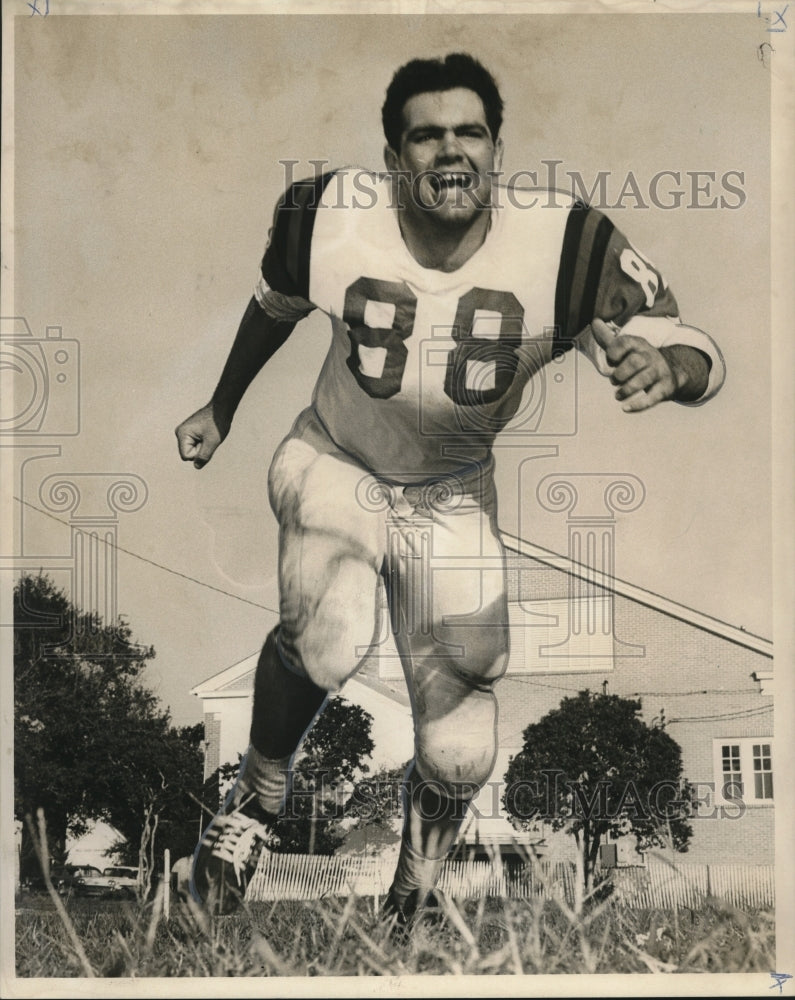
(391, 159)
(498, 151)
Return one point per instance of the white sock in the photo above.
(414, 872)
(265, 778)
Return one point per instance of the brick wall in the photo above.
(686, 675)
(212, 736)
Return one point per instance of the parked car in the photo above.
(63, 878)
(67, 878)
(119, 882)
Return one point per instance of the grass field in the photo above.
(344, 937)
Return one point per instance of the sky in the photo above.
(148, 157)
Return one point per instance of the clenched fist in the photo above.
(200, 435)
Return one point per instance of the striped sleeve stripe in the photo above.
(599, 228)
(305, 240)
(286, 266)
(584, 244)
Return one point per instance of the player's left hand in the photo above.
(643, 375)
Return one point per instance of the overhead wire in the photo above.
(152, 562)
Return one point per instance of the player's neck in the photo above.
(441, 247)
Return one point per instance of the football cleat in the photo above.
(227, 856)
(420, 905)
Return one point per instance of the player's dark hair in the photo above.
(423, 76)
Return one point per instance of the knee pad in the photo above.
(457, 749)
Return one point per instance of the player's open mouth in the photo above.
(452, 180)
(446, 187)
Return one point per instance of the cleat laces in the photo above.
(235, 839)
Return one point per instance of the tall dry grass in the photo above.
(344, 937)
(551, 933)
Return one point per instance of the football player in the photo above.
(444, 297)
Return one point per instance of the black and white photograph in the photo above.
(397, 461)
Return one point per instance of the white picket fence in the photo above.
(689, 885)
(303, 876)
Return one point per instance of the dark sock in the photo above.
(285, 703)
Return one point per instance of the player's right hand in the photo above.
(199, 436)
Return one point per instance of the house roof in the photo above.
(631, 591)
(232, 682)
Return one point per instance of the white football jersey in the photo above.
(425, 367)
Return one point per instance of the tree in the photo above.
(90, 740)
(331, 759)
(376, 800)
(593, 767)
(157, 807)
(216, 787)
(375, 809)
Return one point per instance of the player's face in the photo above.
(448, 153)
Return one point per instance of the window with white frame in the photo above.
(744, 770)
(731, 776)
(763, 770)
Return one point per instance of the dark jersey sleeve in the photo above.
(602, 276)
(286, 264)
